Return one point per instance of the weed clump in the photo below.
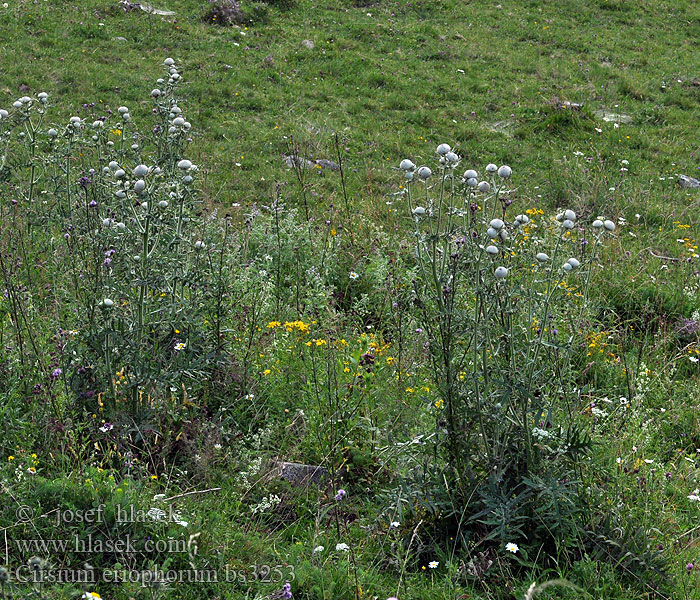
(225, 12)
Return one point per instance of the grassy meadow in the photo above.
(497, 373)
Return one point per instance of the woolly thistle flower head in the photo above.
(504, 172)
(443, 149)
(424, 173)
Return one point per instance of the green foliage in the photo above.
(615, 397)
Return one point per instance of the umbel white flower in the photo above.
(419, 211)
(575, 264)
(107, 303)
(407, 165)
(484, 186)
(597, 224)
(342, 547)
(501, 273)
(542, 257)
(491, 168)
(521, 220)
(472, 182)
(470, 174)
(609, 225)
(497, 224)
(492, 250)
(492, 233)
(451, 157)
(568, 224)
(184, 165)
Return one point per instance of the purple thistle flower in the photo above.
(287, 591)
(340, 495)
(56, 373)
(93, 204)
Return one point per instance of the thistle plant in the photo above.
(110, 209)
(501, 299)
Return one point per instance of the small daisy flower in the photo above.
(511, 547)
(433, 564)
(353, 275)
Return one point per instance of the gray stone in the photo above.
(293, 161)
(612, 117)
(300, 475)
(308, 44)
(328, 164)
(688, 182)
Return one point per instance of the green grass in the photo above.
(392, 80)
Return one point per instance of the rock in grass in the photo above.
(307, 44)
(688, 182)
(300, 475)
(328, 164)
(155, 11)
(294, 161)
